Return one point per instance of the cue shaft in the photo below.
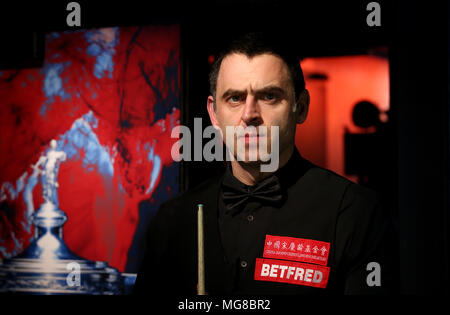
(201, 252)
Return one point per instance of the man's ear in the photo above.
(211, 110)
(302, 106)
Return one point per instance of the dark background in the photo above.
(416, 38)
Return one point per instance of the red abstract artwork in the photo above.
(110, 98)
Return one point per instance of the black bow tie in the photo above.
(235, 196)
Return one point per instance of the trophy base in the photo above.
(48, 266)
(36, 276)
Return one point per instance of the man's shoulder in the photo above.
(350, 203)
(328, 180)
(207, 189)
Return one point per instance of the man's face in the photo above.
(255, 92)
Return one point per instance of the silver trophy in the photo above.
(48, 266)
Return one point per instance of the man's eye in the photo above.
(269, 96)
(235, 98)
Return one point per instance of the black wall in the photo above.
(419, 96)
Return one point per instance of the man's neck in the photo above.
(250, 173)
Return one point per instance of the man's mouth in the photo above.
(252, 138)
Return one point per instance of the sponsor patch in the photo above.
(291, 272)
(298, 249)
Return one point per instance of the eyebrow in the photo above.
(271, 89)
(267, 89)
(230, 92)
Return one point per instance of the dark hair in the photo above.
(258, 43)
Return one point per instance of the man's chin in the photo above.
(251, 159)
(250, 164)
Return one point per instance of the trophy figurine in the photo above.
(47, 266)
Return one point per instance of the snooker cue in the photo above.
(201, 253)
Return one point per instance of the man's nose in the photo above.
(251, 114)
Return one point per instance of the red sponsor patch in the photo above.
(299, 249)
(291, 272)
